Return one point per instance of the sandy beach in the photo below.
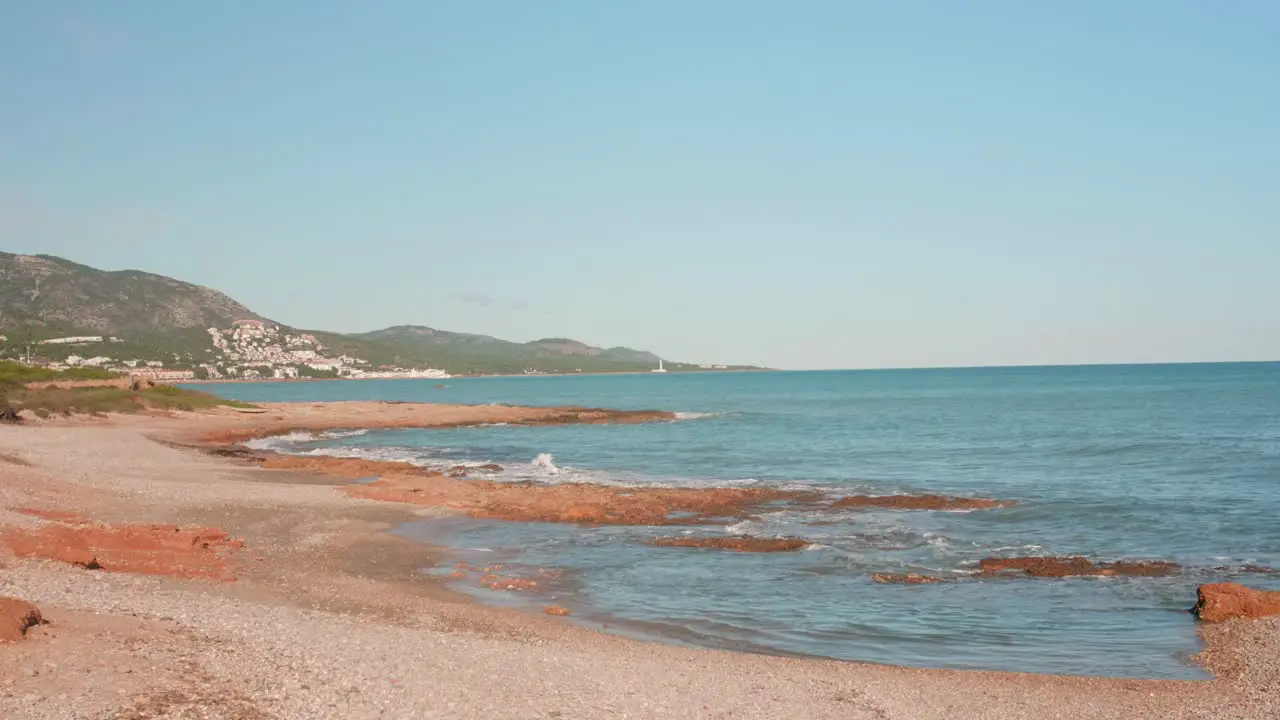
(287, 598)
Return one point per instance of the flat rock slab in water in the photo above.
(740, 543)
(1059, 567)
(920, 502)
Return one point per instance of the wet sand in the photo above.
(329, 615)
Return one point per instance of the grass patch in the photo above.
(46, 402)
(17, 372)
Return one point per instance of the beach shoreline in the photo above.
(330, 568)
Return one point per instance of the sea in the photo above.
(1160, 462)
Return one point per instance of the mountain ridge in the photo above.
(47, 290)
(44, 296)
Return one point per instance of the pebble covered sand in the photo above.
(329, 618)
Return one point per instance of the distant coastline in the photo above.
(236, 381)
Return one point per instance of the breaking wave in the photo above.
(545, 462)
(282, 443)
(338, 434)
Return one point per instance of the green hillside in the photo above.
(147, 317)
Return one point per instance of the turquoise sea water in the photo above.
(1173, 462)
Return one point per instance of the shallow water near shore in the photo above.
(1174, 462)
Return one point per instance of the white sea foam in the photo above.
(280, 443)
(387, 454)
(542, 469)
(694, 415)
(338, 434)
(1029, 550)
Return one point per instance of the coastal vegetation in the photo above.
(22, 388)
(13, 372)
(49, 401)
(100, 400)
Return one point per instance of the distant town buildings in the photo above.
(77, 361)
(257, 349)
(80, 340)
(249, 349)
(161, 375)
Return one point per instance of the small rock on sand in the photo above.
(16, 617)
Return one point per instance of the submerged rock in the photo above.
(505, 582)
(458, 471)
(737, 543)
(1227, 601)
(920, 502)
(905, 579)
(16, 617)
(1074, 566)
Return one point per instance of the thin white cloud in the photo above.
(475, 298)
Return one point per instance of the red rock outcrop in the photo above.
(736, 543)
(1075, 566)
(312, 417)
(1227, 601)
(533, 502)
(16, 617)
(147, 549)
(920, 502)
(905, 579)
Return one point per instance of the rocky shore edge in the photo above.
(309, 519)
(466, 490)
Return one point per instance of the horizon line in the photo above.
(1031, 365)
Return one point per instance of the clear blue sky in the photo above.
(809, 184)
